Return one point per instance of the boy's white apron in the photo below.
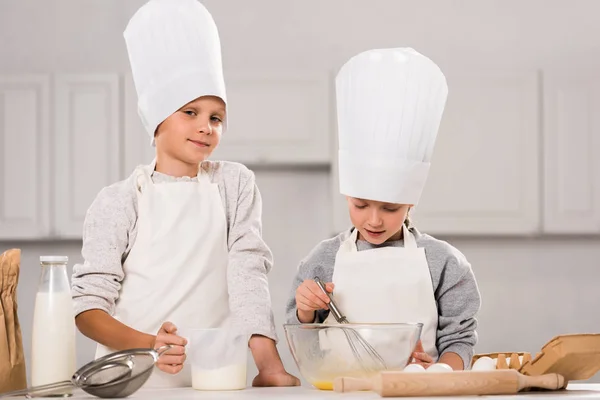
(177, 268)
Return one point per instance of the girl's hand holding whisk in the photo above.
(310, 298)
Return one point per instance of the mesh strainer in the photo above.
(115, 375)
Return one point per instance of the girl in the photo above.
(178, 244)
(390, 103)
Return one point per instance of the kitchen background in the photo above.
(515, 180)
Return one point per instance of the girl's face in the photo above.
(376, 221)
(192, 133)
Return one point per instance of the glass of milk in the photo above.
(218, 359)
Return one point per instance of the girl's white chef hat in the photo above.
(389, 107)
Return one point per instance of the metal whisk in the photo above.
(358, 344)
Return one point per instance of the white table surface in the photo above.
(575, 391)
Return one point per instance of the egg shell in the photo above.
(439, 367)
(484, 364)
(414, 368)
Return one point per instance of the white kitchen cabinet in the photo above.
(279, 118)
(136, 141)
(86, 147)
(272, 119)
(485, 174)
(24, 156)
(572, 152)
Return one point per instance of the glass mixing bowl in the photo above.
(323, 352)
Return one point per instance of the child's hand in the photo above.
(270, 368)
(281, 378)
(172, 360)
(420, 357)
(310, 298)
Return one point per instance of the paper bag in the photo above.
(12, 359)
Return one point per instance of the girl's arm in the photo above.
(458, 302)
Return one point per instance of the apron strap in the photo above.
(142, 177)
(203, 173)
(409, 239)
(350, 242)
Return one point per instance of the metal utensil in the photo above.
(115, 375)
(358, 345)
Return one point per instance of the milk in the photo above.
(53, 338)
(231, 377)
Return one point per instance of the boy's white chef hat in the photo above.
(175, 56)
(389, 107)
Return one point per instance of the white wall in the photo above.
(86, 35)
(532, 288)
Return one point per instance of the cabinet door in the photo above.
(484, 176)
(24, 157)
(277, 119)
(572, 152)
(136, 140)
(87, 146)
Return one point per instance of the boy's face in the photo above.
(193, 132)
(377, 221)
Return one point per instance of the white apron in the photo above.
(177, 268)
(384, 285)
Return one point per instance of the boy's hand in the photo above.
(280, 378)
(271, 371)
(420, 357)
(172, 360)
(310, 298)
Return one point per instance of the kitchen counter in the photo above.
(574, 391)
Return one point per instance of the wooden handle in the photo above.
(458, 383)
(346, 384)
(547, 381)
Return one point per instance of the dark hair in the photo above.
(408, 222)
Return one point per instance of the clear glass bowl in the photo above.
(323, 352)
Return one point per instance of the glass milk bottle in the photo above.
(53, 337)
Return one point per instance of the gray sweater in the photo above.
(454, 286)
(110, 230)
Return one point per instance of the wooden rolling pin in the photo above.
(407, 384)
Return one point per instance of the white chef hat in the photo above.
(175, 56)
(389, 107)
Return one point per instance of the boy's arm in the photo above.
(96, 283)
(108, 229)
(250, 260)
(102, 328)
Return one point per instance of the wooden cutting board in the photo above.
(457, 383)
